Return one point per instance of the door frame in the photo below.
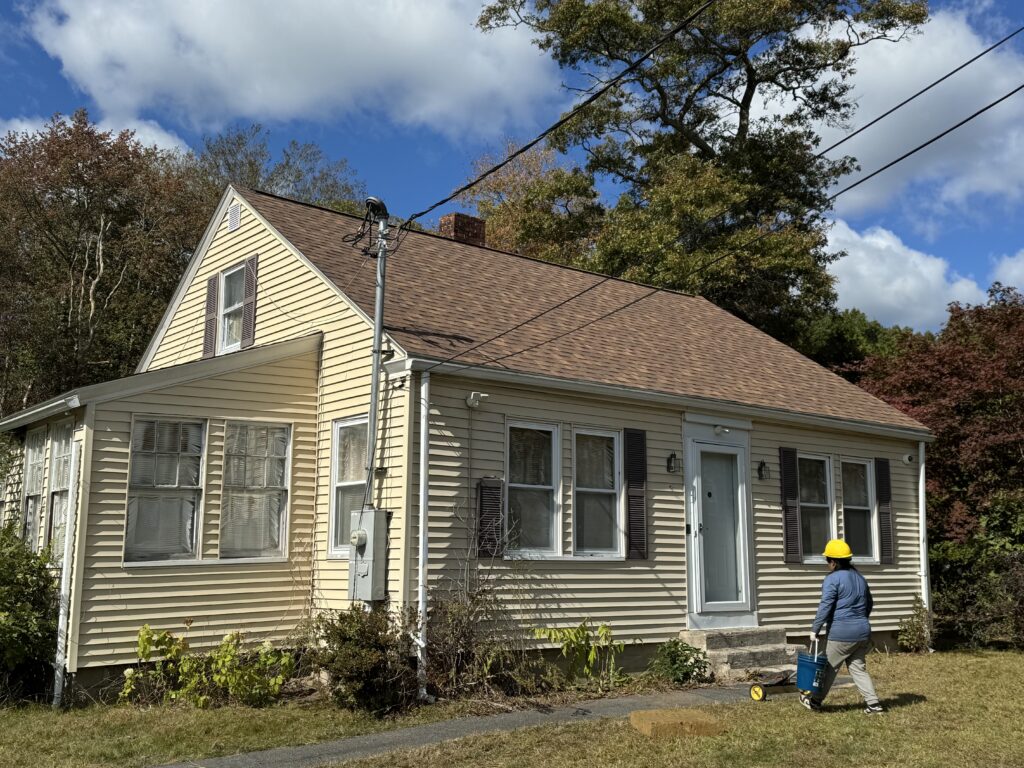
(732, 436)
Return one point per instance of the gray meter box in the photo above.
(367, 555)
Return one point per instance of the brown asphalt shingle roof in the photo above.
(444, 297)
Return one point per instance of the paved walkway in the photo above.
(327, 753)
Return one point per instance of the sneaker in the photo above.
(874, 709)
(812, 704)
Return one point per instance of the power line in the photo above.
(725, 255)
(920, 92)
(633, 65)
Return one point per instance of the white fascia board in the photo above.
(166, 377)
(726, 408)
(399, 351)
(186, 281)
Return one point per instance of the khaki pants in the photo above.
(854, 655)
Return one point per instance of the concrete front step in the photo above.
(724, 639)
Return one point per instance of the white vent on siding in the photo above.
(234, 216)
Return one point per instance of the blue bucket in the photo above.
(810, 673)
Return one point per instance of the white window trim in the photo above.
(200, 507)
(875, 558)
(223, 309)
(616, 492)
(556, 491)
(830, 474)
(342, 552)
(286, 521)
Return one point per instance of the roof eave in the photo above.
(727, 407)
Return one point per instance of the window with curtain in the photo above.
(858, 509)
(348, 457)
(596, 514)
(232, 297)
(34, 483)
(164, 489)
(60, 485)
(815, 504)
(254, 507)
(531, 488)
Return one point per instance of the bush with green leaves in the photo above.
(915, 631)
(168, 672)
(28, 617)
(680, 663)
(589, 653)
(368, 658)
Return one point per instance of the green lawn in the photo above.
(121, 737)
(947, 710)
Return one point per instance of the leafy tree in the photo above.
(967, 385)
(714, 139)
(242, 155)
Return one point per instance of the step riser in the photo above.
(752, 659)
(726, 639)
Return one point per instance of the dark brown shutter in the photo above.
(636, 493)
(883, 496)
(489, 517)
(210, 326)
(249, 303)
(789, 480)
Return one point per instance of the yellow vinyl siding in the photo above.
(640, 599)
(291, 301)
(788, 594)
(264, 600)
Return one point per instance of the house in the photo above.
(601, 449)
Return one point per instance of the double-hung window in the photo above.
(232, 298)
(60, 484)
(815, 504)
(164, 489)
(531, 523)
(348, 461)
(253, 521)
(34, 482)
(596, 511)
(859, 514)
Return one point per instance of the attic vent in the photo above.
(234, 216)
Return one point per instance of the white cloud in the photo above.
(148, 132)
(20, 125)
(1009, 270)
(893, 283)
(203, 64)
(978, 162)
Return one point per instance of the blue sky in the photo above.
(410, 93)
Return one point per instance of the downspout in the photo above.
(421, 666)
(926, 592)
(64, 606)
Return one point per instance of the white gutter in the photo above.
(44, 410)
(922, 521)
(726, 407)
(64, 615)
(421, 597)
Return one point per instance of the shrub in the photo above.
(588, 652)
(473, 646)
(28, 617)
(169, 672)
(680, 663)
(915, 631)
(367, 655)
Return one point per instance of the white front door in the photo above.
(719, 535)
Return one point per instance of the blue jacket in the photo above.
(845, 606)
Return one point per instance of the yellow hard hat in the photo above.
(838, 549)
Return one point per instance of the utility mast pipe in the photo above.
(378, 341)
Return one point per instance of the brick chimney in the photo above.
(464, 228)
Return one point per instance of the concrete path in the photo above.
(327, 753)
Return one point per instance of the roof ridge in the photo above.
(243, 190)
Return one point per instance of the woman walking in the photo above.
(845, 608)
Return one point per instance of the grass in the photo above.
(955, 709)
(123, 737)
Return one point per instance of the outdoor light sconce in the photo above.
(762, 471)
(672, 465)
(720, 430)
